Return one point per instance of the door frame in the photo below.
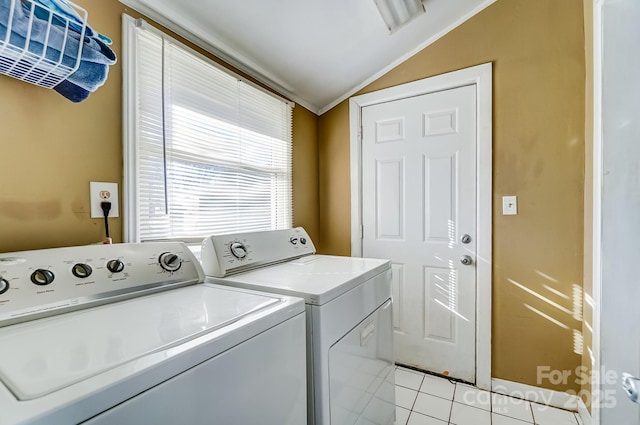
(596, 225)
(482, 77)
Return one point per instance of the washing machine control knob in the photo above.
(4, 285)
(238, 250)
(170, 261)
(42, 277)
(115, 266)
(81, 270)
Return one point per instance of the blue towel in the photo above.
(64, 9)
(72, 92)
(20, 29)
(93, 70)
(94, 62)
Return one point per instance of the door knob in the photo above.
(466, 260)
(631, 386)
(465, 238)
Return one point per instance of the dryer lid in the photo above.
(316, 278)
(45, 355)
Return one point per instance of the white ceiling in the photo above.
(317, 52)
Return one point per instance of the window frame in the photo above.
(130, 191)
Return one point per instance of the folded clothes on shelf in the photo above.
(61, 47)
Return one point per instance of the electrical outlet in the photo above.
(101, 191)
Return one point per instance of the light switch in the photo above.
(509, 205)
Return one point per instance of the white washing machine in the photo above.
(129, 334)
(348, 309)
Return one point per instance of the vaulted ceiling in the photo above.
(319, 52)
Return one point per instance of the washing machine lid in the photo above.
(316, 278)
(45, 355)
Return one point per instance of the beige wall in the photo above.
(334, 177)
(305, 171)
(537, 48)
(51, 149)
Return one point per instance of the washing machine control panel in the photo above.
(223, 255)
(238, 250)
(35, 284)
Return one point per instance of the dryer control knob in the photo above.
(115, 266)
(238, 250)
(4, 285)
(42, 277)
(81, 270)
(170, 261)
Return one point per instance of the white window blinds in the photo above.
(205, 152)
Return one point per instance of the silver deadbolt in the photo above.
(466, 260)
(465, 238)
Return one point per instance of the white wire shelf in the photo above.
(39, 45)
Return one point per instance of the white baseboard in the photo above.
(538, 395)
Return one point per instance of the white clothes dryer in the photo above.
(349, 320)
(129, 334)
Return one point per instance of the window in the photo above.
(205, 151)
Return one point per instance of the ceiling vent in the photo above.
(397, 13)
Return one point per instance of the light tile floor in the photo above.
(423, 399)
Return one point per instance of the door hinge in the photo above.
(362, 232)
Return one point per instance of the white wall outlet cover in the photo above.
(101, 191)
(509, 205)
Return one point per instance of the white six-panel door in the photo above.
(418, 201)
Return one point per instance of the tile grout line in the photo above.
(455, 389)
(533, 417)
(491, 413)
(419, 392)
(491, 393)
(416, 399)
(490, 408)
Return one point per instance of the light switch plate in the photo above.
(101, 191)
(509, 205)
